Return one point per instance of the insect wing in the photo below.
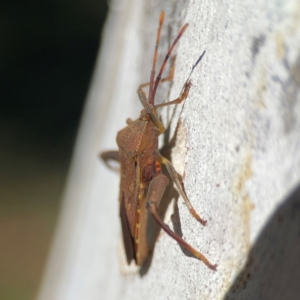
(128, 204)
(127, 237)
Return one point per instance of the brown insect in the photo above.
(142, 181)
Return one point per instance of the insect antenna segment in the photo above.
(154, 85)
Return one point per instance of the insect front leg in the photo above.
(166, 79)
(181, 98)
(154, 195)
(177, 179)
(141, 93)
(152, 113)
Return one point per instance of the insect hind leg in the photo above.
(154, 195)
(177, 180)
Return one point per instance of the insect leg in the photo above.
(177, 179)
(154, 195)
(142, 94)
(145, 103)
(110, 155)
(181, 98)
(158, 78)
(152, 113)
(186, 87)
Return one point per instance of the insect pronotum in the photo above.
(142, 181)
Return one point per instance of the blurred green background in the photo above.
(47, 54)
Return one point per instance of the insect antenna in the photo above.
(196, 63)
(158, 78)
(194, 66)
(161, 21)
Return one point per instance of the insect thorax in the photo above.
(137, 138)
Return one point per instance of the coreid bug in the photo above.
(142, 181)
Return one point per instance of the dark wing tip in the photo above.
(127, 238)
